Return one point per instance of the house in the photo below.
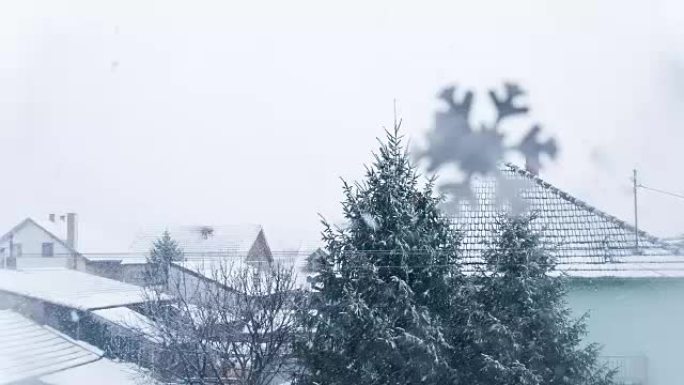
(231, 247)
(243, 241)
(207, 249)
(54, 242)
(202, 245)
(48, 243)
(630, 282)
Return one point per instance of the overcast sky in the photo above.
(151, 112)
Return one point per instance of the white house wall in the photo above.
(186, 284)
(31, 238)
(190, 286)
(42, 262)
(638, 322)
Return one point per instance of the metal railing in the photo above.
(631, 370)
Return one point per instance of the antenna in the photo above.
(636, 212)
(394, 103)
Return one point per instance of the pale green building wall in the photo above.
(636, 318)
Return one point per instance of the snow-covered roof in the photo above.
(582, 237)
(202, 241)
(70, 288)
(57, 228)
(632, 266)
(101, 372)
(128, 319)
(134, 258)
(29, 350)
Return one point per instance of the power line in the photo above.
(675, 195)
(560, 253)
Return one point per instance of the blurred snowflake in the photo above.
(453, 140)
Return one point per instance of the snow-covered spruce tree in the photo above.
(164, 251)
(526, 334)
(385, 284)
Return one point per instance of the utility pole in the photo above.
(11, 251)
(4, 256)
(394, 106)
(636, 213)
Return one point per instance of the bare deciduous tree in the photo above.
(227, 324)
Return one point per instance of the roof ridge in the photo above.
(579, 202)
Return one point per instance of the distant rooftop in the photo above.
(202, 240)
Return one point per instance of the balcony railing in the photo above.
(631, 370)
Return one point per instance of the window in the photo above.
(48, 249)
(17, 250)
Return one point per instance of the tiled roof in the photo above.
(202, 241)
(70, 288)
(29, 350)
(574, 231)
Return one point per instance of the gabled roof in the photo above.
(51, 229)
(29, 350)
(571, 229)
(70, 288)
(203, 241)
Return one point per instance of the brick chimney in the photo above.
(72, 230)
